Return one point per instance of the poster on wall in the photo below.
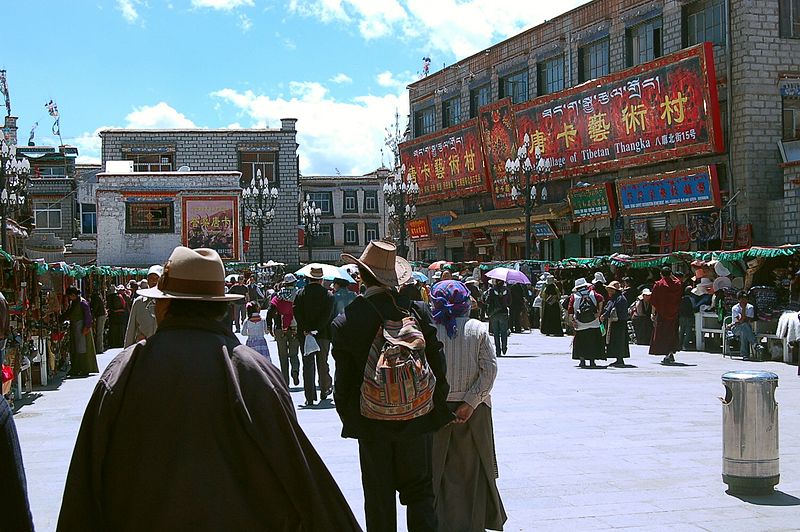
(592, 202)
(419, 228)
(446, 164)
(498, 135)
(683, 190)
(212, 222)
(656, 111)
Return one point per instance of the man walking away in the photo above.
(666, 301)
(341, 296)
(517, 304)
(395, 454)
(282, 325)
(190, 430)
(239, 312)
(142, 320)
(498, 299)
(743, 314)
(313, 310)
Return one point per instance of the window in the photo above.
(371, 232)
(593, 60)
(351, 234)
(451, 112)
(47, 215)
(643, 42)
(88, 218)
(324, 201)
(50, 171)
(478, 98)
(251, 162)
(350, 201)
(151, 162)
(790, 18)
(323, 237)
(424, 122)
(516, 86)
(551, 75)
(704, 21)
(791, 118)
(149, 217)
(370, 201)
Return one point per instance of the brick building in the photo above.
(353, 213)
(756, 52)
(216, 151)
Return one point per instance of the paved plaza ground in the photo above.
(638, 448)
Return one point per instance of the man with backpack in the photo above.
(393, 418)
(584, 308)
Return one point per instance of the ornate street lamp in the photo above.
(524, 190)
(310, 215)
(259, 207)
(400, 196)
(13, 185)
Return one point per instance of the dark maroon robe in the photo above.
(666, 300)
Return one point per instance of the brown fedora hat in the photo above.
(380, 259)
(316, 273)
(196, 274)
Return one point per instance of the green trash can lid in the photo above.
(750, 376)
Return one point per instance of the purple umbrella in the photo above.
(509, 276)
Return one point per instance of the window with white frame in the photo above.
(350, 201)
(151, 162)
(250, 163)
(370, 201)
(323, 200)
(351, 234)
(371, 232)
(47, 215)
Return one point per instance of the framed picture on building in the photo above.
(149, 217)
(212, 222)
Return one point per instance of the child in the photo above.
(255, 329)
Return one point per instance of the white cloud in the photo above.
(222, 5)
(341, 77)
(89, 146)
(389, 80)
(158, 116)
(457, 28)
(128, 9)
(332, 134)
(245, 23)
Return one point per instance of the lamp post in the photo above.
(525, 189)
(400, 196)
(310, 214)
(13, 185)
(259, 207)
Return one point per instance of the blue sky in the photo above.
(339, 66)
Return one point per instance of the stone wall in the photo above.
(791, 212)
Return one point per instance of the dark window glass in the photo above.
(791, 119)
(251, 162)
(324, 201)
(47, 215)
(424, 122)
(593, 59)
(790, 18)
(370, 201)
(643, 42)
(371, 232)
(516, 86)
(478, 98)
(323, 237)
(350, 204)
(147, 217)
(351, 234)
(704, 21)
(451, 112)
(88, 218)
(551, 75)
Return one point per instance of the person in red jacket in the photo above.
(666, 301)
(282, 325)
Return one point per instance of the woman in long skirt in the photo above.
(615, 316)
(255, 329)
(83, 359)
(551, 309)
(584, 310)
(464, 462)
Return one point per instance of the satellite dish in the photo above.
(184, 168)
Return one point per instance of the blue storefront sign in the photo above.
(439, 221)
(696, 188)
(543, 231)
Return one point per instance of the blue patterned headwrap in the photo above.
(450, 300)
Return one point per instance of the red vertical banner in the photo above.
(498, 134)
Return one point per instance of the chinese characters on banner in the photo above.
(589, 203)
(656, 111)
(446, 164)
(498, 134)
(419, 228)
(683, 190)
(212, 222)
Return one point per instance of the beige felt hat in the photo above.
(380, 259)
(195, 274)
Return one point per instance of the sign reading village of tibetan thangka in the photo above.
(660, 110)
(446, 164)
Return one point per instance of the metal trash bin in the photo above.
(750, 432)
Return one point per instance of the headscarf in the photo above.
(450, 300)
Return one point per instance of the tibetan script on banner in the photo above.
(446, 164)
(589, 203)
(656, 111)
(498, 134)
(212, 222)
(684, 190)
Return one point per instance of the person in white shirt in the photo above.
(743, 313)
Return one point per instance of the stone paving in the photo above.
(638, 448)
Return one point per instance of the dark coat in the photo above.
(189, 430)
(16, 514)
(353, 333)
(313, 311)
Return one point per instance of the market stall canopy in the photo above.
(507, 217)
(509, 276)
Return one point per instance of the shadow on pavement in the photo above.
(519, 356)
(677, 364)
(325, 404)
(624, 366)
(777, 498)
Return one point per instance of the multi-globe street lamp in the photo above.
(13, 185)
(400, 196)
(310, 214)
(259, 202)
(518, 173)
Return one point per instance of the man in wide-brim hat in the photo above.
(394, 455)
(190, 430)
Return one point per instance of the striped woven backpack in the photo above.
(398, 382)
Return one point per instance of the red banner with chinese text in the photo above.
(419, 228)
(660, 110)
(498, 134)
(446, 164)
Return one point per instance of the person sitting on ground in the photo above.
(190, 430)
(743, 314)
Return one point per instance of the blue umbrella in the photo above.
(419, 276)
(329, 272)
(344, 275)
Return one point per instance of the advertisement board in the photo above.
(438, 221)
(590, 203)
(418, 228)
(683, 190)
(498, 135)
(212, 222)
(543, 231)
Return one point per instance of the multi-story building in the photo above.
(209, 152)
(353, 213)
(756, 85)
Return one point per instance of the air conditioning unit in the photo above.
(119, 167)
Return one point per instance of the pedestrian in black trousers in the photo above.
(16, 514)
(313, 311)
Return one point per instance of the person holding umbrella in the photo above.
(498, 300)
